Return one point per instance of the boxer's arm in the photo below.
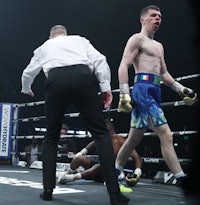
(90, 145)
(187, 94)
(85, 150)
(128, 57)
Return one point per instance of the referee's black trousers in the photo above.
(75, 85)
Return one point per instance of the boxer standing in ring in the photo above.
(146, 55)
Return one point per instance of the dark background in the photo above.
(107, 24)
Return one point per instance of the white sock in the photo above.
(179, 174)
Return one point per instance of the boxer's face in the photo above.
(151, 20)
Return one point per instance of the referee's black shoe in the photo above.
(118, 199)
(46, 195)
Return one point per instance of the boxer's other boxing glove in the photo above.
(132, 179)
(124, 104)
(188, 95)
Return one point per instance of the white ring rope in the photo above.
(173, 103)
(152, 134)
(69, 115)
(113, 91)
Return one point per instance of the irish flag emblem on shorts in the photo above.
(144, 77)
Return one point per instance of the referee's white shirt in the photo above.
(65, 51)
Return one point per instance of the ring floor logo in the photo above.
(31, 184)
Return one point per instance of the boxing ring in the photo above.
(14, 174)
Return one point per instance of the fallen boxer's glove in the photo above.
(132, 179)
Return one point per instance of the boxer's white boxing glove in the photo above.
(188, 95)
(124, 104)
(83, 152)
